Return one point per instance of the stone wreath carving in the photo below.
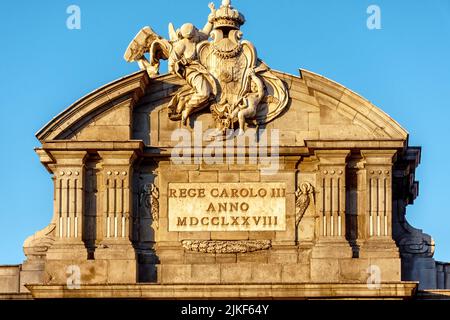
(150, 198)
(211, 246)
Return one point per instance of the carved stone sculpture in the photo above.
(150, 198)
(243, 246)
(303, 199)
(36, 246)
(224, 74)
(304, 195)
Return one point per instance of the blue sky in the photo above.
(404, 68)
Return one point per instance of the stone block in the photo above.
(324, 270)
(226, 258)
(306, 228)
(287, 177)
(353, 270)
(205, 273)
(163, 235)
(104, 133)
(332, 247)
(266, 273)
(173, 176)
(228, 176)
(170, 256)
(301, 136)
(244, 166)
(295, 272)
(249, 176)
(176, 273)
(304, 254)
(390, 268)
(261, 235)
(203, 176)
(224, 235)
(199, 258)
(283, 256)
(287, 138)
(202, 235)
(120, 115)
(91, 271)
(235, 272)
(256, 257)
(289, 234)
(215, 167)
(122, 271)
(9, 279)
(30, 277)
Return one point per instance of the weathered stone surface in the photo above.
(236, 273)
(345, 168)
(324, 270)
(9, 279)
(297, 273)
(266, 273)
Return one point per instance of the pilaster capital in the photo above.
(68, 158)
(332, 157)
(117, 158)
(378, 157)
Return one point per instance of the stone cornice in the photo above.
(392, 290)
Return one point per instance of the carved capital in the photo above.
(378, 157)
(332, 157)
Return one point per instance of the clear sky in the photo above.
(404, 69)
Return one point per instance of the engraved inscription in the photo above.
(227, 206)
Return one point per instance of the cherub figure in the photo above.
(181, 51)
(183, 61)
(248, 104)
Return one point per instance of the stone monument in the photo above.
(225, 179)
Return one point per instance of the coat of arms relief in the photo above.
(222, 72)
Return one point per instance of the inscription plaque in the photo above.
(227, 206)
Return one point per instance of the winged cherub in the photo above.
(184, 62)
(182, 56)
(248, 104)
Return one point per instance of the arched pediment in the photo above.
(135, 108)
(102, 115)
(348, 104)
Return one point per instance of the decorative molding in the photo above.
(212, 246)
(303, 196)
(150, 198)
(38, 244)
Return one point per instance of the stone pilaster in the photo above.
(331, 205)
(68, 176)
(375, 225)
(114, 206)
